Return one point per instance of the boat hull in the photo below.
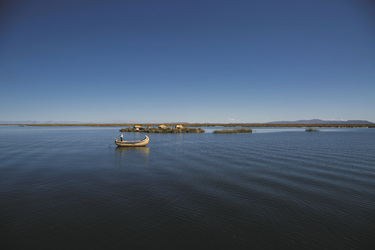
(141, 143)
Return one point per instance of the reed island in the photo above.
(312, 130)
(233, 131)
(162, 129)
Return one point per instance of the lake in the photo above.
(70, 187)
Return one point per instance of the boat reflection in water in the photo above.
(122, 151)
(127, 156)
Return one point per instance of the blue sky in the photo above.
(187, 61)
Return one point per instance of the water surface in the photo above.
(64, 187)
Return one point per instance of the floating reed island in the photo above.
(233, 131)
(163, 129)
(312, 130)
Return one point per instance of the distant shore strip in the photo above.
(207, 125)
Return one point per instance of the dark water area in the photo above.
(64, 188)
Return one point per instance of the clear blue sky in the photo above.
(187, 60)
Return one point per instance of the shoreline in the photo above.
(258, 125)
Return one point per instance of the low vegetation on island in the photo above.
(312, 130)
(233, 131)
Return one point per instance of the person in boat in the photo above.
(121, 136)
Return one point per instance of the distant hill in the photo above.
(318, 121)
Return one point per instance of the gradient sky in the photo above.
(187, 60)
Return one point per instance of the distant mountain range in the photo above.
(318, 121)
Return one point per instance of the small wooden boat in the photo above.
(139, 143)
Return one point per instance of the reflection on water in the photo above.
(178, 138)
(137, 155)
(123, 151)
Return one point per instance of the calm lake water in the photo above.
(64, 188)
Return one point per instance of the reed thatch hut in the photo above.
(137, 127)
